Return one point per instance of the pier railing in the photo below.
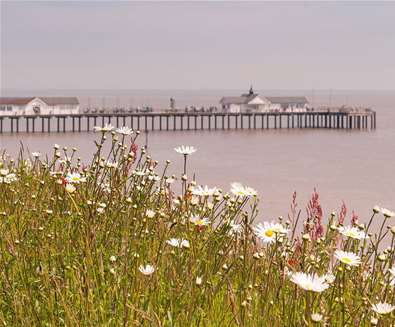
(365, 120)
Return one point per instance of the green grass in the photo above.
(73, 258)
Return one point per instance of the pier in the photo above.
(190, 121)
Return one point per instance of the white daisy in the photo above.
(329, 277)
(235, 229)
(36, 154)
(111, 164)
(203, 191)
(178, 243)
(352, 232)
(70, 188)
(309, 282)
(316, 317)
(8, 178)
(150, 213)
(387, 213)
(4, 172)
(124, 131)
(106, 128)
(75, 178)
(138, 172)
(270, 232)
(376, 209)
(240, 190)
(198, 221)
(185, 150)
(383, 308)
(348, 258)
(147, 270)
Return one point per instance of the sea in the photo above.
(356, 167)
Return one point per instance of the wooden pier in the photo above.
(364, 120)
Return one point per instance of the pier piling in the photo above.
(365, 120)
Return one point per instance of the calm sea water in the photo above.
(357, 167)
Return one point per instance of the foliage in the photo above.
(76, 241)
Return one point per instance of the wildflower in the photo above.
(178, 243)
(383, 308)
(309, 282)
(382, 257)
(100, 210)
(106, 128)
(124, 131)
(75, 178)
(387, 213)
(235, 229)
(4, 172)
(36, 154)
(147, 270)
(70, 188)
(270, 232)
(139, 172)
(376, 209)
(203, 191)
(134, 149)
(198, 280)
(150, 213)
(185, 150)
(113, 258)
(200, 222)
(111, 164)
(349, 258)
(195, 200)
(7, 178)
(352, 232)
(316, 317)
(329, 278)
(169, 180)
(240, 190)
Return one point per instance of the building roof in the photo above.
(288, 100)
(243, 99)
(15, 101)
(51, 101)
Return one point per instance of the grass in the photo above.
(74, 241)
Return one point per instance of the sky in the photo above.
(199, 45)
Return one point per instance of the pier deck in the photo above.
(161, 121)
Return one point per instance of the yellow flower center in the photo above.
(269, 233)
(346, 260)
(351, 234)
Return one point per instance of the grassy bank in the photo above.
(112, 244)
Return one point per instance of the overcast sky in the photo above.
(129, 45)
